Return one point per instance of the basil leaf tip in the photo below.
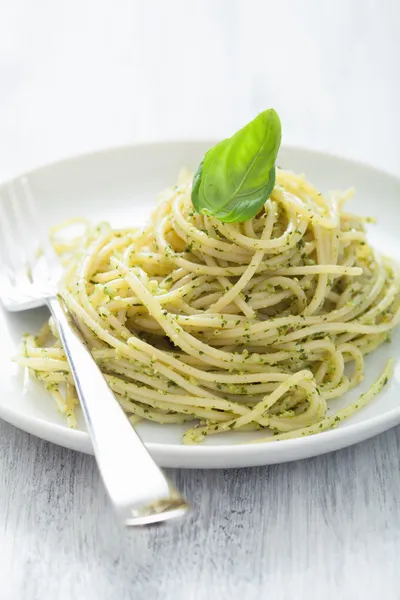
(237, 176)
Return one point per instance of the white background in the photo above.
(78, 75)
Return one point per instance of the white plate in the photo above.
(120, 185)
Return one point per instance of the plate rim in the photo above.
(198, 140)
(193, 454)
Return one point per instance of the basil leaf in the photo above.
(237, 176)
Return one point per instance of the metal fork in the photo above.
(138, 489)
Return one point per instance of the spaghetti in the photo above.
(240, 326)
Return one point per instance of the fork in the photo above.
(139, 491)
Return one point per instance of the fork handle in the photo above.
(140, 492)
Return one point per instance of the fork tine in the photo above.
(5, 267)
(28, 243)
(42, 236)
(27, 280)
(11, 255)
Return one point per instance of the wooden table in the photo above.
(84, 74)
(327, 527)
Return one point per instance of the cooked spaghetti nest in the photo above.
(243, 326)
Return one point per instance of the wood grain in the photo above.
(327, 527)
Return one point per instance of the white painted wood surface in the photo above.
(84, 74)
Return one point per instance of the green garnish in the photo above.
(237, 176)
